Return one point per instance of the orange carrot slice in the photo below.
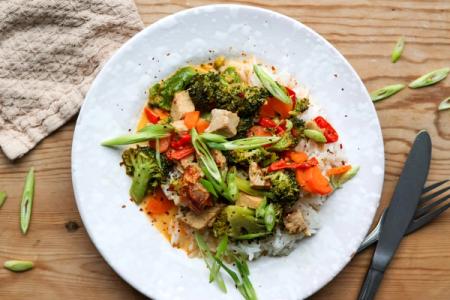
(338, 170)
(298, 157)
(201, 125)
(191, 118)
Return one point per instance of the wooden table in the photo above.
(69, 266)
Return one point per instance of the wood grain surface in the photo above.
(69, 267)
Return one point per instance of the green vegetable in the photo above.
(245, 287)
(261, 209)
(245, 123)
(142, 165)
(26, 205)
(386, 92)
(445, 104)
(230, 75)
(161, 94)
(149, 132)
(209, 187)
(206, 160)
(284, 187)
(213, 137)
(271, 85)
(157, 154)
(216, 90)
(430, 78)
(315, 135)
(244, 157)
(18, 265)
(3, 197)
(245, 143)
(245, 186)
(338, 180)
(236, 221)
(301, 105)
(232, 191)
(398, 49)
(215, 268)
(269, 217)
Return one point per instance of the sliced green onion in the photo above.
(26, 205)
(213, 137)
(245, 186)
(3, 197)
(271, 85)
(215, 268)
(386, 92)
(338, 180)
(251, 236)
(315, 135)
(245, 143)
(209, 187)
(445, 104)
(205, 157)
(18, 265)
(398, 49)
(149, 132)
(261, 209)
(430, 78)
(232, 191)
(269, 217)
(158, 153)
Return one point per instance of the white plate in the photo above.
(125, 238)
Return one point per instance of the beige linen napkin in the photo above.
(50, 51)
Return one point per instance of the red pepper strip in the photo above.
(182, 141)
(267, 123)
(179, 154)
(328, 130)
(151, 116)
(292, 95)
(281, 128)
(283, 164)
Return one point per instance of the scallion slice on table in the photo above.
(18, 265)
(430, 78)
(444, 105)
(3, 197)
(386, 92)
(147, 133)
(26, 204)
(398, 49)
(271, 85)
(245, 143)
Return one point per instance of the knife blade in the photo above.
(400, 212)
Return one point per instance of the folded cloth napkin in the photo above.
(50, 51)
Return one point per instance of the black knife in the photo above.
(400, 213)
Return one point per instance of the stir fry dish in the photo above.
(232, 161)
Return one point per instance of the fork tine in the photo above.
(416, 224)
(433, 186)
(434, 195)
(423, 210)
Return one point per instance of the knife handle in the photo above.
(371, 284)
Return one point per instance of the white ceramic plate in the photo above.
(125, 238)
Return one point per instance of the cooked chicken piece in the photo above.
(294, 222)
(187, 161)
(223, 122)
(219, 158)
(200, 197)
(249, 201)
(192, 173)
(203, 219)
(179, 126)
(256, 176)
(181, 104)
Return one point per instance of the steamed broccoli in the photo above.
(236, 222)
(141, 164)
(244, 125)
(222, 90)
(284, 187)
(161, 94)
(301, 105)
(287, 140)
(245, 157)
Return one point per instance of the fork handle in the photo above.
(371, 284)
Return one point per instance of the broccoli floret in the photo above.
(161, 94)
(301, 105)
(245, 157)
(140, 163)
(231, 76)
(244, 125)
(287, 140)
(221, 90)
(284, 187)
(236, 221)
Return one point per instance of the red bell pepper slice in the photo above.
(291, 95)
(328, 131)
(267, 123)
(179, 154)
(184, 140)
(151, 116)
